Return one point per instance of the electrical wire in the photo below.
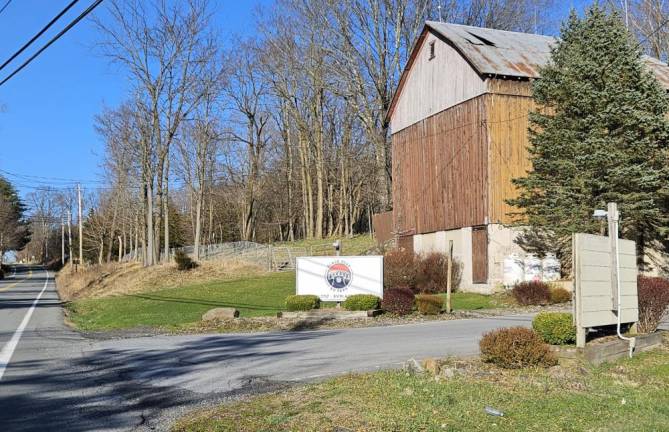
(90, 9)
(5, 6)
(40, 33)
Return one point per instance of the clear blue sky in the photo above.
(46, 128)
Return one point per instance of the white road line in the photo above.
(8, 350)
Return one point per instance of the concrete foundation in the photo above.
(500, 243)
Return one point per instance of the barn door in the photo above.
(479, 254)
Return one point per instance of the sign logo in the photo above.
(339, 275)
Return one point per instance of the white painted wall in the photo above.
(500, 243)
(433, 85)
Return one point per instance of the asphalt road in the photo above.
(57, 379)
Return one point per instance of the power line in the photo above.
(40, 33)
(90, 9)
(5, 6)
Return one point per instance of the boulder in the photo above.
(219, 314)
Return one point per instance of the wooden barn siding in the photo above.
(383, 226)
(434, 85)
(440, 170)
(508, 140)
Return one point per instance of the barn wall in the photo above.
(508, 140)
(383, 227)
(434, 85)
(440, 171)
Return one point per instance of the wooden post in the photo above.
(449, 272)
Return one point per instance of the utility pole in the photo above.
(81, 228)
(62, 241)
(69, 232)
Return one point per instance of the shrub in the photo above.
(184, 262)
(516, 347)
(555, 328)
(429, 304)
(560, 295)
(399, 269)
(432, 273)
(532, 293)
(361, 302)
(398, 300)
(2, 273)
(653, 295)
(302, 302)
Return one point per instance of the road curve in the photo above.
(59, 380)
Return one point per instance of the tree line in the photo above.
(277, 136)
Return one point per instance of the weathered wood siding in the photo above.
(507, 119)
(480, 254)
(383, 226)
(440, 170)
(433, 85)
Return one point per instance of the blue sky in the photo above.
(46, 128)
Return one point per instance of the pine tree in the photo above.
(13, 226)
(600, 135)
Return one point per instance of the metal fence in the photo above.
(274, 258)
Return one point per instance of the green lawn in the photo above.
(254, 296)
(629, 395)
(178, 307)
(473, 301)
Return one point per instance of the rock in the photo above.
(219, 314)
(447, 373)
(431, 365)
(413, 367)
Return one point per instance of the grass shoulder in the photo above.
(629, 394)
(180, 308)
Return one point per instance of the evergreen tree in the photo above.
(600, 135)
(13, 226)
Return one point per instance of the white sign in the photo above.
(334, 278)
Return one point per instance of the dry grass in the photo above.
(115, 279)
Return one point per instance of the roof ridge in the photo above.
(431, 23)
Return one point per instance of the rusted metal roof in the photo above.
(512, 54)
(497, 52)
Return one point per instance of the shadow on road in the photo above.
(109, 389)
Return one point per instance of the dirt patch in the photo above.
(129, 278)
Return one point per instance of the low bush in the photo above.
(184, 262)
(400, 267)
(432, 273)
(361, 302)
(428, 304)
(555, 328)
(653, 295)
(560, 295)
(398, 300)
(302, 302)
(2, 273)
(532, 293)
(515, 348)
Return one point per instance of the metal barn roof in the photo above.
(513, 54)
(497, 52)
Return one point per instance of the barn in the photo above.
(459, 121)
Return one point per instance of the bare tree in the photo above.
(165, 46)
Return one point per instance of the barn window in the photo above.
(431, 50)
